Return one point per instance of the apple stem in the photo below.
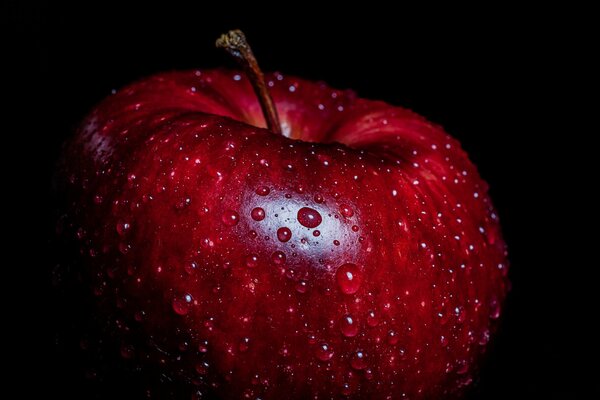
(235, 43)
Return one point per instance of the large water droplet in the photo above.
(346, 211)
(183, 304)
(348, 278)
(230, 217)
(251, 260)
(244, 345)
(202, 368)
(263, 191)
(392, 337)
(301, 286)
(284, 234)
(324, 352)
(372, 318)
(309, 217)
(359, 360)
(257, 214)
(348, 326)
(191, 267)
(123, 227)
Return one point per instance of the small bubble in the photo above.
(355, 228)
(346, 211)
(316, 233)
(336, 242)
(309, 217)
(284, 234)
(263, 191)
(318, 198)
(257, 214)
(348, 326)
(348, 278)
(252, 234)
(324, 352)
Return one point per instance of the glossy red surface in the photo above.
(359, 256)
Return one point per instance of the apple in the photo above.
(350, 250)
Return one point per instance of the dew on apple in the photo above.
(257, 214)
(183, 304)
(324, 352)
(244, 344)
(372, 318)
(392, 337)
(359, 360)
(301, 286)
(309, 217)
(349, 326)
(251, 261)
(316, 233)
(278, 257)
(123, 227)
(203, 346)
(230, 217)
(349, 278)
(263, 190)
(191, 267)
(318, 198)
(336, 242)
(284, 234)
(202, 368)
(346, 211)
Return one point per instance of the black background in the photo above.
(498, 79)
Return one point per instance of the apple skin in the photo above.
(359, 257)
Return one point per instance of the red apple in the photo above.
(357, 254)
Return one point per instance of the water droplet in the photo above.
(460, 314)
(127, 351)
(263, 191)
(316, 233)
(348, 326)
(348, 278)
(251, 261)
(336, 242)
(324, 352)
(257, 214)
(354, 228)
(346, 211)
(309, 217)
(202, 368)
(278, 257)
(318, 198)
(392, 337)
(494, 309)
(252, 234)
(191, 267)
(230, 218)
(123, 227)
(244, 345)
(301, 286)
(182, 305)
(284, 234)
(203, 346)
(359, 360)
(372, 318)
